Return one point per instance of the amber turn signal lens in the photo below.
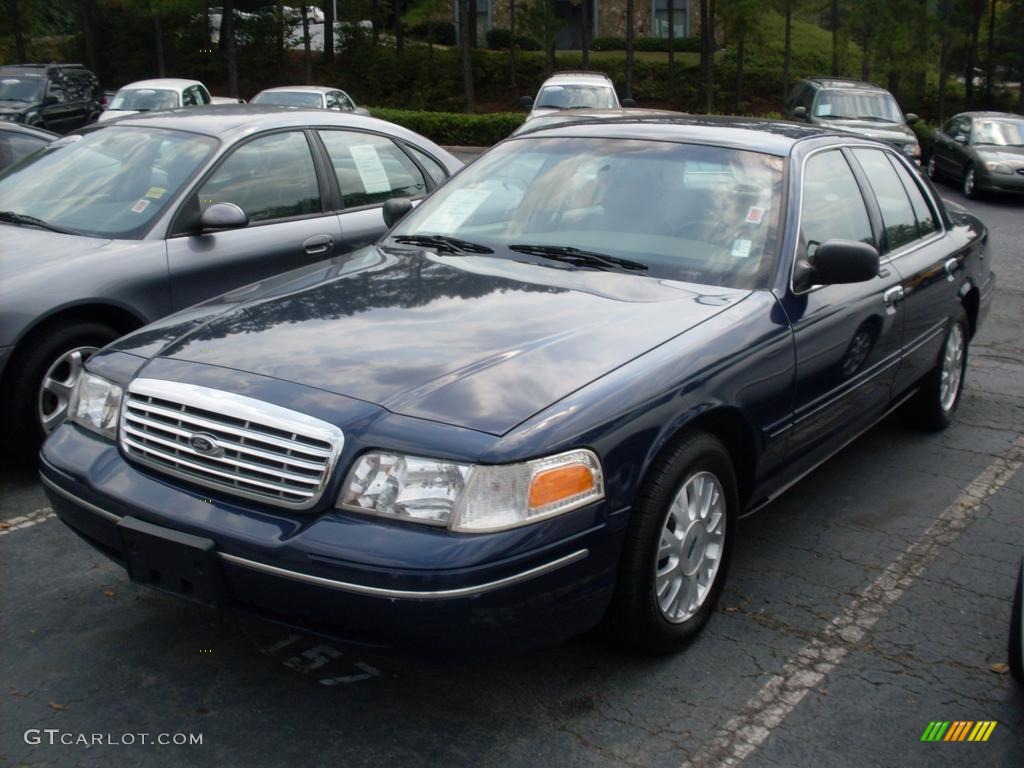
(554, 485)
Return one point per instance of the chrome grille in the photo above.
(230, 442)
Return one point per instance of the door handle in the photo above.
(950, 267)
(318, 244)
(892, 295)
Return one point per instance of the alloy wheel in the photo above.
(952, 368)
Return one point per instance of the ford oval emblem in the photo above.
(205, 444)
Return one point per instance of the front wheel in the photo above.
(970, 188)
(933, 169)
(677, 547)
(939, 396)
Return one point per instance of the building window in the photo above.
(680, 18)
(483, 20)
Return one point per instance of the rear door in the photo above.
(274, 179)
(916, 245)
(369, 170)
(57, 113)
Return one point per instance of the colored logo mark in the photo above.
(958, 730)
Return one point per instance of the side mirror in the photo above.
(525, 102)
(48, 100)
(394, 209)
(911, 118)
(840, 261)
(960, 138)
(221, 216)
(800, 113)
(361, 111)
(628, 103)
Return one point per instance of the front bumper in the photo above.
(521, 588)
(1007, 183)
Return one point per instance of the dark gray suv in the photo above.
(104, 232)
(854, 106)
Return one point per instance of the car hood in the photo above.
(1012, 156)
(891, 132)
(12, 107)
(113, 114)
(473, 341)
(28, 249)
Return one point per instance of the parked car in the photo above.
(580, 116)
(1016, 644)
(309, 97)
(160, 94)
(574, 90)
(543, 398)
(984, 151)
(148, 215)
(855, 106)
(58, 98)
(19, 141)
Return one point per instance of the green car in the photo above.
(984, 151)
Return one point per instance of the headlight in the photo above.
(993, 167)
(912, 150)
(95, 404)
(472, 498)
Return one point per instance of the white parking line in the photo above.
(26, 521)
(744, 733)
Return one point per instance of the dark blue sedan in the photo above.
(543, 399)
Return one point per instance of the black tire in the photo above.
(31, 362)
(1016, 652)
(634, 615)
(933, 169)
(927, 407)
(970, 183)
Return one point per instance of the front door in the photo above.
(273, 179)
(847, 336)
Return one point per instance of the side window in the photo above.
(346, 103)
(370, 169)
(271, 177)
(14, 147)
(897, 212)
(832, 204)
(794, 95)
(926, 223)
(188, 97)
(56, 91)
(950, 127)
(332, 100)
(202, 95)
(434, 168)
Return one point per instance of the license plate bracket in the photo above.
(171, 561)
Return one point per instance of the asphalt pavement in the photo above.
(871, 599)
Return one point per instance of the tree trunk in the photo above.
(158, 42)
(585, 32)
(787, 49)
(943, 71)
(375, 21)
(328, 31)
(989, 59)
(671, 51)
(89, 35)
(630, 34)
(20, 46)
(709, 72)
(977, 11)
(399, 27)
(307, 53)
(835, 38)
(741, 37)
(227, 44)
(550, 35)
(467, 57)
(512, 43)
(279, 18)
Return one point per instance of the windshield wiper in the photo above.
(444, 243)
(10, 217)
(570, 255)
(874, 118)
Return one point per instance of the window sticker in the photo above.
(755, 215)
(155, 192)
(740, 248)
(10, 81)
(140, 206)
(824, 108)
(370, 168)
(455, 209)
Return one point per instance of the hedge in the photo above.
(499, 39)
(439, 32)
(454, 128)
(682, 44)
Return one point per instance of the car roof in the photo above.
(773, 137)
(28, 131)
(231, 121)
(301, 88)
(561, 117)
(22, 72)
(578, 77)
(844, 83)
(160, 82)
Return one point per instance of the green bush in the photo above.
(685, 44)
(608, 44)
(500, 39)
(454, 128)
(925, 136)
(439, 32)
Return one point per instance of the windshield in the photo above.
(577, 97)
(687, 212)
(289, 99)
(858, 105)
(110, 183)
(1001, 133)
(20, 88)
(144, 99)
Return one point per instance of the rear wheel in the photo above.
(939, 396)
(677, 547)
(970, 187)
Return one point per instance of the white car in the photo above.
(162, 93)
(574, 90)
(309, 97)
